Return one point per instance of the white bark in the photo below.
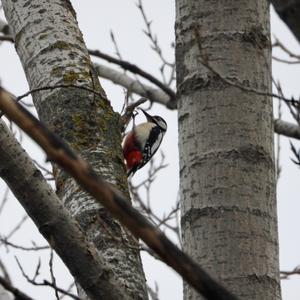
(4, 295)
(227, 190)
(133, 85)
(52, 51)
(287, 129)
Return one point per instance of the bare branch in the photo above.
(134, 86)
(153, 293)
(289, 62)
(54, 222)
(136, 70)
(5, 242)
(125, 118)
(68, 290)
(16, 292)
(287, 274)
(112, 36)
(52, 275)
(45, 283)
(148, 32)
(4, 199)
(19, 225)
(5, 272)
(6, 38)
(57, 151)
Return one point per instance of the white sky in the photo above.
(96, 18)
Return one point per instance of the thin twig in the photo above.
(45, 282)
(112, 36)
(17, 227)
(286, 274)
(289, 62)
(6, 38)
(204, 61)
(156, 48)
(279, 44)
(48, 172)
(153, 293)
(4, 241)
(277, 163)
(152, 37)
(125, 118)
(4, 199)
(52, 274)
(146, 208)
(68, 290)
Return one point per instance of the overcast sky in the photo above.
(96, 19)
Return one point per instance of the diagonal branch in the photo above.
(58, 152)
(54, 222)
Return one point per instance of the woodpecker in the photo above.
(142, 142)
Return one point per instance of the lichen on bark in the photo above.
(51, 48)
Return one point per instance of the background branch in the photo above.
(135, 86)
(136, 70)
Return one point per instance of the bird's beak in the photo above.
(149, 117)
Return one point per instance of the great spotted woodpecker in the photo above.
(142, 142)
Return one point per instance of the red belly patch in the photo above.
(133, 159)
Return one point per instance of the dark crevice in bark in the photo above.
(193, 214)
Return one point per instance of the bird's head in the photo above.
(159, 121)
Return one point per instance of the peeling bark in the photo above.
(52, 51)
(227, 188)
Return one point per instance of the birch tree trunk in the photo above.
(227, 189)
(52, 51)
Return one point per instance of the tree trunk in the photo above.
(227, 183)
(52, 51)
